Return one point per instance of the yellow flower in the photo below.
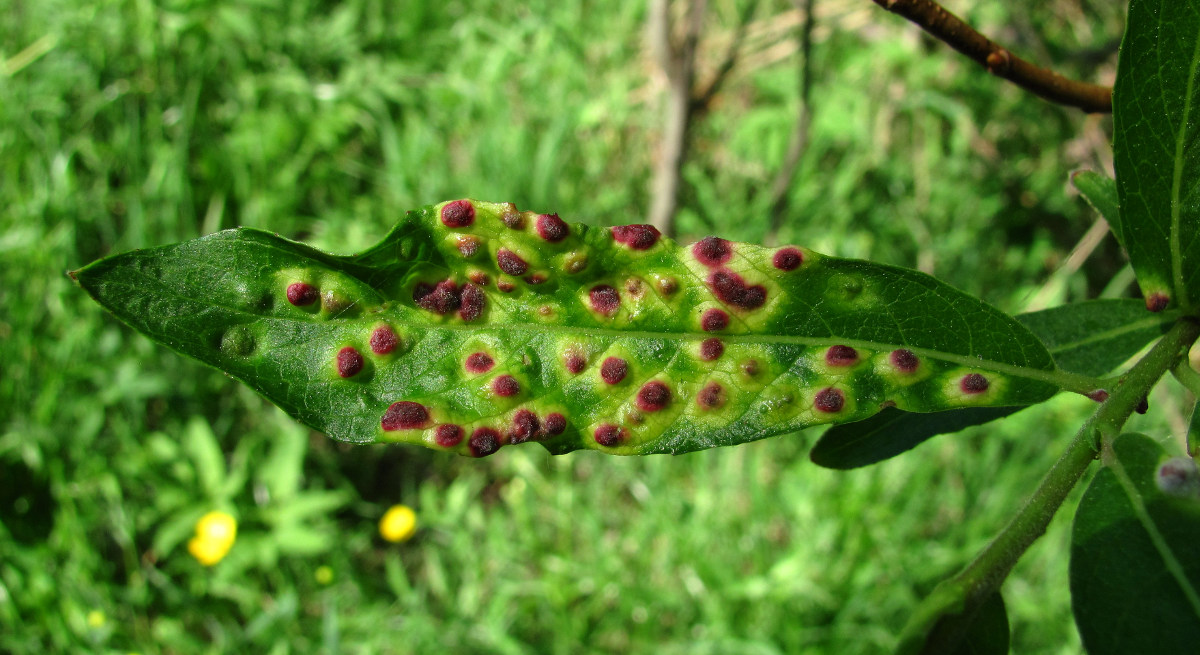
(215, 533)
(398, 523)
(95, 619)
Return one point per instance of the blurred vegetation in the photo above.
(129, 123)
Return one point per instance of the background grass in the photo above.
(130, 123)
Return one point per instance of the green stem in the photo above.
(942, 618)
(1187, 376)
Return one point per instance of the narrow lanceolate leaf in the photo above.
(1135, 576)
(1100, 191)
(1156, 120)
(473, 325)
(1089, 338)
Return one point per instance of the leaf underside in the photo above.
(473, 325)
(1135, 576)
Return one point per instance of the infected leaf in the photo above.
(472, 326)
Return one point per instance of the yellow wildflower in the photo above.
(215, 533)
(398, 523)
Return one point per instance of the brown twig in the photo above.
(933, 18)
(705, 97)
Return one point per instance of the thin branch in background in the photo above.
(1074, 261)
(799, 141)
(933, 18)
(705, 97)
(679, 64)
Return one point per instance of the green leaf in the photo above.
(1135, 574)
(1193, 433)
(1094, 337)
(1156, 121)
(1100, 191)
(1089, 338)
(892, 432)
(473, 325)
(988, 633)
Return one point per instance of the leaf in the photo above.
(1156, 121)
(1193, 433)
(1094, 337)
(892, 432)
(1134, 571)
(1100, 191)
(988, 633)
(1089, 338)
(473, 325)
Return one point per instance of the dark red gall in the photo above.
(301, 294)
(448, 435)
(484, 442)
(404, 415)
(610, 435)
(637, 237)
(712, 251)
(788, 259)
(604, 299)
(1156, 302)
(552, 228)
(525, 426)
(711, 349)
(555, 424)
(383, 340)
(841, 356)
(440, 299)
(467, 245)
(829, 400)
(731, 289)
(510, 262)
(613, 370)
(575, 362)
(506, 385)
(1099, 395)
(711, 396)
(973, 383)
(479, 362)
(653, 396)
(905, 360)
(349, 362)
(714, 320)
(459, 213)
(472, 301)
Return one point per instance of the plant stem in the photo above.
(933, 18)
(1187, 376)
(942, 618)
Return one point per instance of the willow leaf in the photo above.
(473, 325)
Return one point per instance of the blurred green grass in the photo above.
(128, 123)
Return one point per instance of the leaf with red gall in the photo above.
(613, 370)
(510, 262)
(524, 427)
(829, 400)
(301, 294)
(349, 362)
(441, 298)
(610, 435)
(604, 299)
(637, 237)
(841, 356)
(384, 340)
(653, 396)
(448, 435)
(712, 251)
(479, 362)
(459, 213)
(506, 385)
(474, 316)
(973, 383)
(484, 442)
(404, 415)
(552, 228)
